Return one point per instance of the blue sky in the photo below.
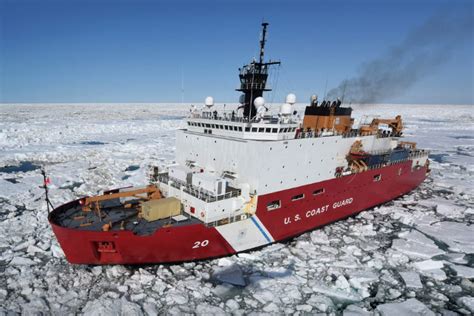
(142, 51)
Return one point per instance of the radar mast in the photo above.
(253, 78)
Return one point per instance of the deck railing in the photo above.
(198, 192)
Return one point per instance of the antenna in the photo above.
(46, 181)
(262, 41)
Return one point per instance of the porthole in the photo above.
(273, 205)
(318, 191)
(298, 197)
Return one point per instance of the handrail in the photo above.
(198, 193)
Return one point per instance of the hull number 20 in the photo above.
(200, 244)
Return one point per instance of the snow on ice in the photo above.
(412, 256)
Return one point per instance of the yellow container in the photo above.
(162, 208)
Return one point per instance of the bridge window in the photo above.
(273, 205)
(240, 128)
(226, 127)
(268, 130)
(254, 129)
(260, 130)
(298, 197)
(274, 130)
(247, 129)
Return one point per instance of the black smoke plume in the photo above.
(416, 56)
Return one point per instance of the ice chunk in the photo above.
(205, 309)
(463, 271)
(354, 310)
(304, 308)
(56, 251)
(362, 281)
(467, 302)
(409, 307)
(431, 268)
(231, 274)
(338, 295)
(458, 236)
(232, 305)
(224, 262)
(411, 279)
(319, 237)
(449, 209)
(416, 245)
(109, 306)
(150, 309)
(21, 261)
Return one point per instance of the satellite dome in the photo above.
(314, 98)
(258, 102)
(291, 99)
(285, 109)
(209, 102)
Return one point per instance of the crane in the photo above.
(395, 124)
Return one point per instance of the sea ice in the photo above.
(411, 279)
(231, 274)
(416, 245)
(409, 307)
(458, 236)
(354, 261)
(467, 302)
(463, 271)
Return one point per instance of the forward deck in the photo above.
(115, 214)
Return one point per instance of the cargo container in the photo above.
(162, 208)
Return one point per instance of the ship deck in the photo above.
(114, 213)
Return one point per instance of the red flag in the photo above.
(47, 181)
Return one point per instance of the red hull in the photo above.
(342, 197)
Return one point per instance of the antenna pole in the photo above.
(45, 187)
(262, 41)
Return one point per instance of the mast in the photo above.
(253, 78)
(262, 41)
